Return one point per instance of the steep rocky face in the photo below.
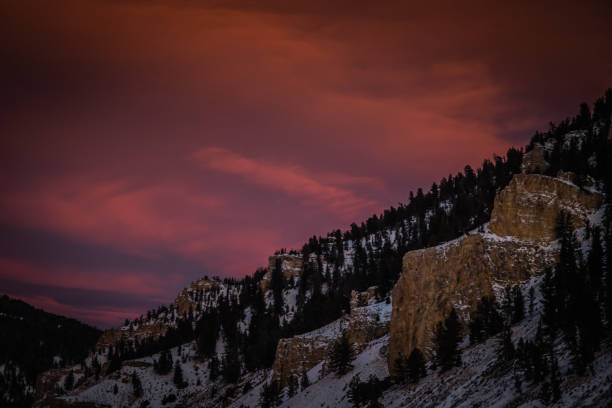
(291, 266)
(528, 207)
(359, 299)
(458, 273)
(534, 161)
(187, 299)
(300, 353)
(111, 337)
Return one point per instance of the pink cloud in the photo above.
(115, 213)
(116, 280)
(294, 181)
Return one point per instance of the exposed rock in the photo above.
(359, 299)
(368, 323)
(46, 382)
(291, 267)
(534, 161)
(111, 337)
(528, 207)
(186, 299)
(300, 353)
(566, 176)
(458, 273)
(455, 274)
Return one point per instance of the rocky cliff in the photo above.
(528, 207)
(199, 295)
(519, 243)
(301, 353)
(188, 298)
(290, 264)
(534, 161)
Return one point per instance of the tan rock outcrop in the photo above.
(528, 207)
(457, 274)
(141, 328)
(534, 161)
(186, 301)
(301, 353)
(291, 267)
(111, 337)
(454, 275)
(359, 299)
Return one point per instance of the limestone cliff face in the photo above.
(528, 207)
(534, 161)
(359, 299)
(186, 299)
(291, 266)
(458, 273)
(300, 353)
(112, 336)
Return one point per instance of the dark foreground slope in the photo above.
(32, 341)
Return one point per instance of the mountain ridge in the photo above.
(240, 323)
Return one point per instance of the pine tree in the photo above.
(416, 366)
(341, 355)
(213, 366)
(164, 365)
(270, 395)
(555, 380)
(69, 381)
(230, 369)
(178, 376)
(595, 263)
(207, 333)
(506, 350)
(518, 305)
(292, 386)
(367, 393)
(277, 284)
(115, 363)
(531, 300)
(136, 385)
(95, 364)
(304, 381)
(550, 300)
(486, 322)
(400, 366)
(447, 340)
(477, 329)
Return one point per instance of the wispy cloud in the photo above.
(319, 190)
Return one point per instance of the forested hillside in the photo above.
(223, 334)
(32, 341)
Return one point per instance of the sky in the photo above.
(145, 144)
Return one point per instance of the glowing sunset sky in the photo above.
(145, 144)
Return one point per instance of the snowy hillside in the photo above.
(491, 289)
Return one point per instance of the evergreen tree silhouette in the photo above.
(341, 355)
(415, 366)
(178, 376)
(447, 340)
